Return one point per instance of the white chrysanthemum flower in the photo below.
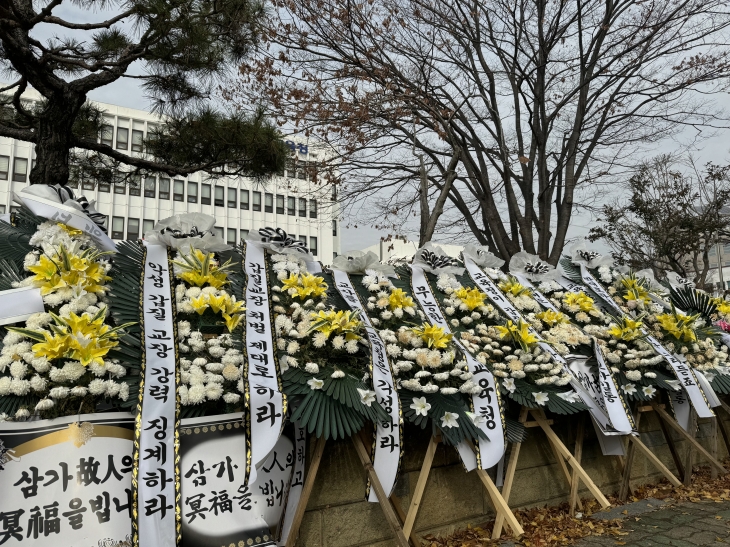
(79, 391)
(38, 383)
(311, 368)
(18, 370)
(97, 387)
(337, 374)
(73, 370)
(292, 347)
(58, 392)
(196, 394)
(213, 391)
(231, 398)
(44, 404)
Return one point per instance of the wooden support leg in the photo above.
(420, 486)
(689, 459)
(383, 500)
(509, 479)
(539, 415)
(671, 422)
(306, 491)
(672, 448)
(500, 505)
(625, 486)
(402, 516)
(578, 455)
(656, 462)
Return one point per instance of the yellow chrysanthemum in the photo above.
(336, 322)
(471, 298)
(433, 335)
(626, 329)
(551, 318)
(514, 287)
(399, 299)
(519, 333)
(579, 300)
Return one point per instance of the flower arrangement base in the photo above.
(499, 502)
(634, 443)
(385, 504)
(564, 458)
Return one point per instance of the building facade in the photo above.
(292, 201)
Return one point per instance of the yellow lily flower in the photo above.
(551, 318)
(722, 305)
(626, 329)
(199, 304)
(291, 282)
(218, 303)
(399, 299)
(54, 347)
(201, 269)
(472, 298)
(678, 325)
(514, 287)
(433, 335)
(340, 322)
(520, 333)
(311, 285)
(232, 321)
(580, 300)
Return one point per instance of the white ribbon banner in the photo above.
(297, 483)
(17, 305)
(388, 433)
(266, 402)
(487, 402)
(156, 485)
(584, 381)
(67, 215)
(682, 371)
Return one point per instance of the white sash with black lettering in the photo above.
(598, 386)
(487, 402)
(297, 483)
(388, 433)
(682, 371)
(156, 482)
(541, 299)
(266, 401)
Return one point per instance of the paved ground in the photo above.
(657, 523)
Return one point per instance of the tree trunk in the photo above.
(55, 140)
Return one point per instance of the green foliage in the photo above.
(692, 301)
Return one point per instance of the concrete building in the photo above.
(292, 201)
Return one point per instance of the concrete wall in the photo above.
(338, 515)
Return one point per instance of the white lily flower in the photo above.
(570, 396)
(649, 391)
(477, 419)
(366, 396)
(629, 389)
(509, 384)
(420, 406)
(315, 383)
(541, 398)
(449, 420)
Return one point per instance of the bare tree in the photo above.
(671, 220)
(540, 97)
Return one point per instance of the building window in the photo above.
(219, 196)
(137, 140)
(164, 188)
(178, 190)
(334, 227)
(135, 188)
(291, 170)
(192, 192)
(219, 232)
(303, 239)
(312, 208)
(244, 234)
(149, 187)
(302, 171)
(147, 225)
(231, 236)
(20, 169)
(133, 229)
(232, 198)
(104, 187)
(4, 167)
(713, 250)
(313, 245)
(122, 138)
(257, 201)
(117, 227)
(334, 193)
(244, 199)
(120, 188)
(205, 195)
(291, 206)
(279, 205)
(107, 134)
(269, 203)
(88, 185)
(302, 207)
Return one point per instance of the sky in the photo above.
(127, 92)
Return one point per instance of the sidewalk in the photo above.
(658, 523)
